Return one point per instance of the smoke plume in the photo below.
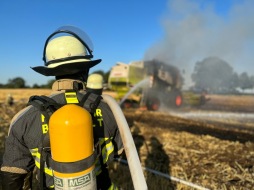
(194, 31)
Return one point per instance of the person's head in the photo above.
(68, 53)
(95, 83)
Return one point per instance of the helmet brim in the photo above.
(66, 69)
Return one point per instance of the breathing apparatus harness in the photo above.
(47, 106)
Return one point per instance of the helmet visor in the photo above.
(75, 32)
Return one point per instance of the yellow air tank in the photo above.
(71, 140)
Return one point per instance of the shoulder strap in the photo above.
(45, 104)
(90, 101)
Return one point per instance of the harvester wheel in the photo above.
(175, 99)
(129, 104)
(178, 100)
(153, 104)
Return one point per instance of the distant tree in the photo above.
(17, 82)
(214, 74)
(49, 84)
(245, 81)
(35, 86)
(252, 80)
(234, 83)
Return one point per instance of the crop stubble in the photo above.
(204, 153)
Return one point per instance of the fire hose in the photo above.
(136, 171)
(166, 176)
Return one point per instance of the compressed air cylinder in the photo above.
(71, 140)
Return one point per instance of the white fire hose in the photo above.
(136, 171)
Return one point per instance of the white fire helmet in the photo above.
(67, 51)
(95, 81)
(65, 47)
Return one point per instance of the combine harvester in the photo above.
(148, 84)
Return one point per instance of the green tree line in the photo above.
(217, 76)
(19, 82)
(212, 73)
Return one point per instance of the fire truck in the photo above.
(153, 84)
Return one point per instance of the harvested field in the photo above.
(192, 151)
(210, 146)
(22, 95)
(212, 152)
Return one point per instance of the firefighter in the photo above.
(67, 56)
(95, 83)
(9, 100)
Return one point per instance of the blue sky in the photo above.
(127, 31)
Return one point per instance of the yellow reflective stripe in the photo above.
(71, 97)
(106, 151)
(46, 170)
(37, 157)
(34, 151)
(113, 187)
(102, 140)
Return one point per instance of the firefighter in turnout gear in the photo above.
(95, 83)
(67, 55)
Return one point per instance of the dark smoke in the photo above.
(193, 33)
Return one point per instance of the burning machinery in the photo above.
(163, 84)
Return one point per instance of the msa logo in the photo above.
(58, 182)
(79, 181)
